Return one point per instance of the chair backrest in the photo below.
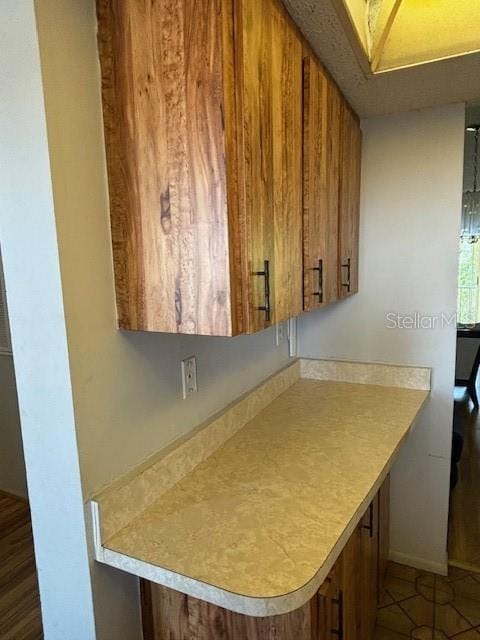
(466, 359)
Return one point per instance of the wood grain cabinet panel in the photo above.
(349, 205)
(202, 117)
(170, 615)
(350, 586)
(287, 166)
(383, 533)
(329, 601)
(162, 81)
(358, 569)
(368, 570)
(255, 136)
(321, 154)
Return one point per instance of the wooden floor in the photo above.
(19, 600)
(464, 523)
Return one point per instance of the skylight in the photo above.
(403, 33)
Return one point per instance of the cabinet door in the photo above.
(383, 532)
(321, 154)
(287, 165)
(368, 575)
(296, 625)
(166, 124)
(348, 568)
(329, 618)
(170, 615)
(269, 73)
(349, 205)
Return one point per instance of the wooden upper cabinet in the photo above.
(203, 138)
(269, 52)
(321, 155)
(349, 205)
(287, 166)
(162, 89)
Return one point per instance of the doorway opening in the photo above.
(20, 615)
(464, 517)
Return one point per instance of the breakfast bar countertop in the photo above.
(257, 525)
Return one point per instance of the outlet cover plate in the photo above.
(280, 333)
(189, 376)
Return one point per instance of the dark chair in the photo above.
(470, 382)
(457, 444)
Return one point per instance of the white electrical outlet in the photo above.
(189, 376)
(281, 333)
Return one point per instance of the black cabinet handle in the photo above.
(347, 266)
(266, 274)
(319, 293)
(339, 602)
(369, 526)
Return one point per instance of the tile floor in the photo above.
(424, 606)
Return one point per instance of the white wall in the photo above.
(12, 464)
(125, 387)
(410, 214)
(30, 259)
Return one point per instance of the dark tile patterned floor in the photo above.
(423, 606)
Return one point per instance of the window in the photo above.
(468, 309)
(5, 345)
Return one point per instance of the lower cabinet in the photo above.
(344, 608)
(349, 567)
(383, 533)
(329, 609)
(170, 615)
(368, 561)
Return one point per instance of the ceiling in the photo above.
(359, 44)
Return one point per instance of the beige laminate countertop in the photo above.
(257, 526)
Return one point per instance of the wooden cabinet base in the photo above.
(383, 533)
(170, 615)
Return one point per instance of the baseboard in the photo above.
(423, 564)
(466, 566)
